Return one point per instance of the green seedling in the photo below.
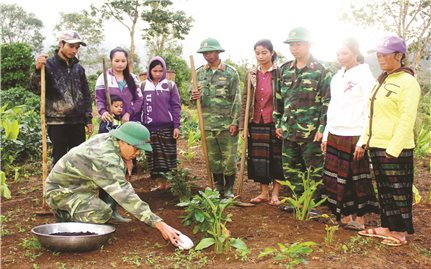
(180, 181)
(207, 212)
(292, 255)
(303, 202)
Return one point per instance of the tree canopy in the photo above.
(91, 31)
(409, 19)
(19, 26)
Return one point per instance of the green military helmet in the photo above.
(210, 44)
(298, 34)
(134, 134)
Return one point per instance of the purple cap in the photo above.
(390, 44)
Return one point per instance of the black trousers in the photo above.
(64, 137)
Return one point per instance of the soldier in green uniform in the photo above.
(218, 85)
(101, 162)
(302, 103)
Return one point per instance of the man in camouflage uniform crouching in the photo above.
(218, 85)
(101, 162)
(301, 106)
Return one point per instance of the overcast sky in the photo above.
(237, 24)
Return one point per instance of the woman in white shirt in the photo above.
(347, 179)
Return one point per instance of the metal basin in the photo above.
(76, 236)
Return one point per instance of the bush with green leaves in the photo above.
(16, 65)
(20, 136)
(20, 96)
(206, 211)
(303, 202)
(292, 254)
(180, 180)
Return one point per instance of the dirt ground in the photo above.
(135, 245)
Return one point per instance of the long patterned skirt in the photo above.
(394, 183)
(264, 163)
(163, 158)
(347, 183)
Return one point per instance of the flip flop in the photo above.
(393, 241)
(371, 233)
(354, 225)
(258, 200)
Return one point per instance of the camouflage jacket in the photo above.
(68, 98)
(302, 100)
(220, 96)
(97, 163)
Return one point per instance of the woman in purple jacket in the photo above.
(161, 114)
(121, 83)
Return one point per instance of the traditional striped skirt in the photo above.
(347, 183)
(163, 158)
(264, 163)
(394, 183)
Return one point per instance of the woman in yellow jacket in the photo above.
(389, 137)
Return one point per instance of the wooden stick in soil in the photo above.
(245, 137)
(107, 93)
(201, 123)
(44, 210)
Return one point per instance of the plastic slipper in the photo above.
(354, 225)
(371, 233)
(393, 241)
(258, 200)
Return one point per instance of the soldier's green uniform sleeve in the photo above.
(325, 93)
(236, 106)
(278, 103)
(111, 179)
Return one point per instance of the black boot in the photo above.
(218, 182)
(104, 196)
(230, 181)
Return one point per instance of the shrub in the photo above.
(27, 144)
(16, 64)
(20, 96)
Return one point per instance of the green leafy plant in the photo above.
(32, 247)
(20, 136)
(16, 62)
(423, 142)
(206, 210)
(292, 254)
(187, 259)
(192, 141)
(133, 258)
(303, 202)
(4, 189)
(180, 180)
(357, 245)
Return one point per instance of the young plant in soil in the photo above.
(330, 228)
(292, 254)
(303, 202)
(179, 180)
(192, 141)
(206, 211)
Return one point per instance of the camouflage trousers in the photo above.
(82, 207)
(222, 152)
(298, 156)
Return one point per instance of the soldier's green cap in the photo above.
(298, 34)
(210, 44)
(134, 134)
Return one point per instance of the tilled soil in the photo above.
(135, 245)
